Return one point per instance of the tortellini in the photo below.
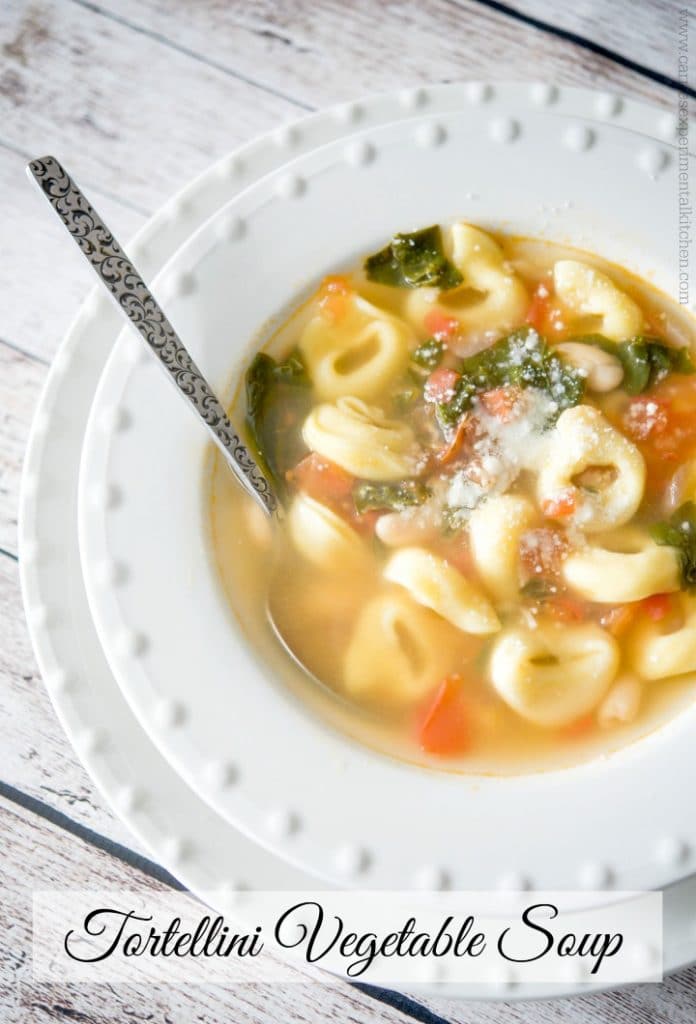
(554, 674)
(584, 440)
(323, 538)
(495, 528)
(397, 650)
(360, 439)
(432, 582)
(594, 297)
(358, 354)
(626, 565)
(655, 653)
(491, 296)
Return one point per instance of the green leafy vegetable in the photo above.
(680, 532)
(429, 354)
(277, 397)
(522, 359)
(414, 261)
(399, 495)
(645, 360)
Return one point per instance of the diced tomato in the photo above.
(657, 606)
(450, 451)
(440, 325)
(542, 551)
(646, 418)
(564, 608)
(321, 479)
(444, 728)
(539, 308)
(440, 385)
(579, 728)
(334, 293)
(663, 426)
(501, 402)
(328, 483)
(563, 505)
(618, 620)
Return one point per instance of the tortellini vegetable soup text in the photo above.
(486, 448)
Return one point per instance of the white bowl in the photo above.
(208, 700)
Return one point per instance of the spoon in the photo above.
(136, 301)
(138, 304)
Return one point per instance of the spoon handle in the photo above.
(137, 302)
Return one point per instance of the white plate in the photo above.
(133, 777)
(213, 707)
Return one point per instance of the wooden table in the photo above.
(138, 96)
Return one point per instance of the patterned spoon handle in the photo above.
(136, 301)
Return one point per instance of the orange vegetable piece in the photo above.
(440, 325)
(321, 479)
(445, 726)
(564, 504)
(501, 402)
(539, 308)
(657, 606)
(440, 385)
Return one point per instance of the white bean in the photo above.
(602, 371)
(622, 702)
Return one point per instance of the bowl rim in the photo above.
(285, 828)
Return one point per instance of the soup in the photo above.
(485, 446)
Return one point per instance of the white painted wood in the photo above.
(642, 32)
(326, 52)
(36, 755)
(136, 96)
(45, 278)
(55, 860)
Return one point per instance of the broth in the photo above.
(487, 556)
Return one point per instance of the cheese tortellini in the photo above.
(626, 565)
(555, 673)
(495, 529)
(491, 296)
(434, 583)
(593, 297)
(487, 541)
(360, 439)
(584, 440)
(657, 651)
(324, 538)
(396, 650)
(358, 354)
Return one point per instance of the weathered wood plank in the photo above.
(52, 859)
(123, 109)
(43, 278)
(646, 33)
(332, 51)
(21, 379)
(36, 755)
(672, 1001)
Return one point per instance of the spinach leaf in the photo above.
(414, 261)
(645, 360)
(680, 532)
(429, 354)
(403, 494)
(277, 396)
(522, 359)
